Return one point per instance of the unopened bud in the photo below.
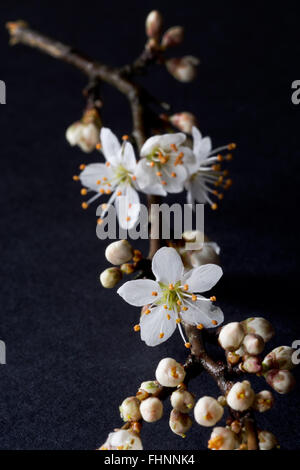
(110, 277)
(279, 358)
(264, 401)
(85, 133)
(130, 409)
(154, 22)
(173, 36)
(127, 268)
(267, 440)
(169, 373)
(183, 401)
(282, 381)
(151, 409)
(184, 69)
(184, 121)
(231, 336)
(259, 326)
(240, 396)
(222, 439)
(119, 252)
(252, 364)
(151, 386)
(122, 440)
(208, 411)
(232, 357)
(179, 422)
(254, 344)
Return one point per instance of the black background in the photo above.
(71, 353)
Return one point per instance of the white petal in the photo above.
(110, 145)
(198, 190)
(155, 323)
(163, 142)
(204, 312)
(147, 180)
(73, 133)
(167, 266)
(174, 185)
(203, 278)
(127, 206)
(127, 157)
(93, 173)
(139, 292)
(201, 146)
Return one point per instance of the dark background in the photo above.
(71, 353)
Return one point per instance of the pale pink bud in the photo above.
(130, 409)
(254, 344)
(231, 336)
(208, 411)
(267, 440)
(169, 373)
(122, 440)
(282, 381)
(173, 36)
(222, 439)
(119, 252)
(259, 326)
(154, 22)
(183, 401)
(179, 422)
(151, 386)
(151, 409)
(184, 121)
(264, 401)
(279, 358)
(110, 277)
(240, 396)
(184, 69)
(252, 364)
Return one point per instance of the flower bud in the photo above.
(85, 133)
(179, 422)
(279, 358)
(184, 121)
(182, 401)
(267, 440)
(127, 268)
(207, 255)
(169, 373)
(232, 357)
(222, 439)
(110, 277)
(151, 409)
(130, 409)
(119, 252)
(208, 411)
(231, 336)
(254, 344)
(122, 440)
(252, 364)
(240, 396)
(151, 386)
(173, 36)
(264, 401)
(154, 22)
(259, 326)
(183, 68)
(282, 381)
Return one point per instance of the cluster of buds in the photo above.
(85, 133)
(182, 402)
(182, 68)
(124, 258)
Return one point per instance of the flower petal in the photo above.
(110, 145)
(167, 265)
(155, 323)
(203, 278)
(127, 206)
(201, 146)
(127, 157)
(174, 184)
(203, 312)
(147, 180)
(139, 292)
(163, 142)
(94, 173)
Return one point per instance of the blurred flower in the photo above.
(85, 133)
(154, 22)
(183, 121)
(173, 36)
(171, 298)
(267, 440)
(184, 69)
(122, 440)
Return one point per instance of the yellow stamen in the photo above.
(213, 298)
(134, 178)
(214, 206)
(214, 322)
(119, 193)
(84, 205)
(231, 146)
(147, 311)
(125, 137)
(75, 177)
(100, 221)
(152, 164)
(82, 166)
(107, 163)
(161, 335)
(173, 147)
(171, 286)
(108, 191)
(179, 302)
(101, 191)
(158, 173)
(185, 287)
(178, 320)
(128, 218)
(165, 307)
(168, 317)
(154, 293)
(187, 345)
(194, 298)
(98, 182)
(200, 326)
(98, 146)
(83, 191)
(136, 327)
(185, 309)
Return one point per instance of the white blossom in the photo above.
(267, 440)
(205, 174)
(173, 297)
(162, 168)
(115, 178)
(85, 133)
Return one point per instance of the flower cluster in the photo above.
(166, 166)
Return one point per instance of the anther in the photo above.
(185, 309)
(173, 174)
(136, 327)
(179, 302)
(168, 317)
(154, 293)
(165, 307)
(185, 287)
(98, 146)
(161, 335)
(231, 146)
(194, 298)
(214, 206)
(83, 191)
(98, 182)
(152, 164)
(82, 166)
(173, 147)
(108, 191)
(133, 178)
(158, 173)
(214, 322)
(128, 218)
(188, 345)
(213, 298)
(178, 320)
(100, 221)
(84, 205)
(220, 157)
(119, 193)
(75, 177)
(147, 311)
(125, 137)
(107, 163)
(101, 191)
(171, 286)
(200, 326)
